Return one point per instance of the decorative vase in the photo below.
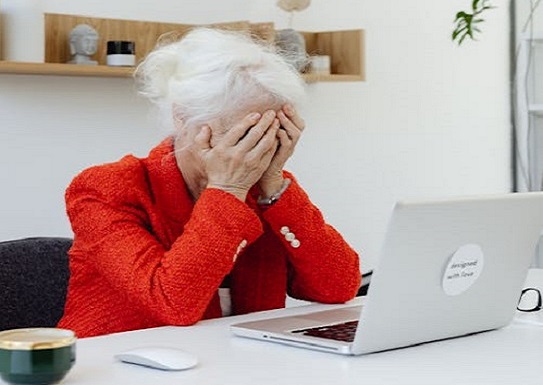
(291, 44)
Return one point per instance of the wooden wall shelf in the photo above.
(59, 69)
(345, 48)
(145, 34)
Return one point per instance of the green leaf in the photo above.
(466, 23)
(460, 15)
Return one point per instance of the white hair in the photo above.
(212, 73)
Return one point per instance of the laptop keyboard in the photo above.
(339, 332)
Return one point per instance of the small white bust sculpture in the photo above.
(83, 44)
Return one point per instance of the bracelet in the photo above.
(263, 201)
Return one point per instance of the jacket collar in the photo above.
(167, 185)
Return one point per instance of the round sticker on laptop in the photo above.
(463, 269)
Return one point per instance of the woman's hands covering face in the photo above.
(291, 129)
(243, 155)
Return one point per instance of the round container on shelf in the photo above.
(121, 53)
(320, 64)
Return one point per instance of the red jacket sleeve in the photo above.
(323, 267)
(174, 286)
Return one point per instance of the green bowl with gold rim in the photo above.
(37, 356)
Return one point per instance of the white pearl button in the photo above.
(295, 243)
(290, 236)
(243, 243)
(284, 230)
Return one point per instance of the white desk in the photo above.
(512, 355)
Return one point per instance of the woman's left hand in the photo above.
(292, 126)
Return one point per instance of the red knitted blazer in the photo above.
(145, 255)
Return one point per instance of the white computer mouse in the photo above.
(159, 357)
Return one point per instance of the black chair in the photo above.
(365, 284)
(34, 276)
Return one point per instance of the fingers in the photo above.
(289, 134)
(203, 138)
(285, 148)
(293, 116)
(238, 131)
(292, 130)
(284, 139)
(268, 155)
(268, 141)
(245, 128)
(257, 133)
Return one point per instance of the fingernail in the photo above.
(254, 116)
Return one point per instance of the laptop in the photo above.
(448, 268)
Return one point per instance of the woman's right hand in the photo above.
(242, 155)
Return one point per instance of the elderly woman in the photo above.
(208, 224)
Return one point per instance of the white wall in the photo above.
(431, 120)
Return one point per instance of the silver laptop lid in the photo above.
(449, 268)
